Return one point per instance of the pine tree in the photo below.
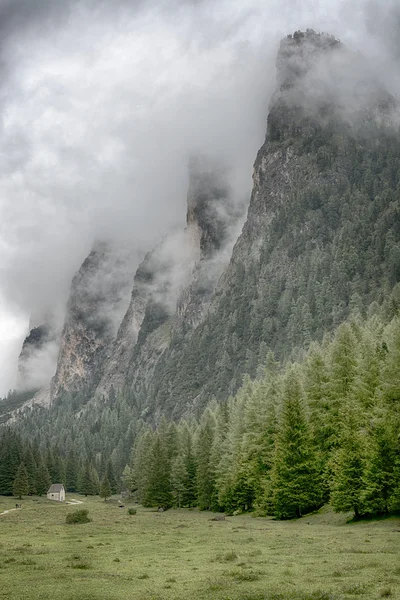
(205, 473)
(189, 494)
(71, 472)
(88, 480)
(178, 478)
(10, 459)
(43, 480)
(105, 488)
(21, 482)
(127, 479)
(381, 479)
(159, 480)
(295, 480)
(31, 469)
(348, 466)
(109, 474)
(141, 462)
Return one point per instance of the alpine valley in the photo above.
(252, 361)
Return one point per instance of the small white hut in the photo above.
(56, 492)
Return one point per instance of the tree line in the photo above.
(25, 469)
(323, 429)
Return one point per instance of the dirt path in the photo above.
(8, 511)
(73, 501)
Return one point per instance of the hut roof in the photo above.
(56, 487)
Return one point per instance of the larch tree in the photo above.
(295, 478)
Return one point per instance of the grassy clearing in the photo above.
(182, 554)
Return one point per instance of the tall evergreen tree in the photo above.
(43, 480)
(205, 470)
(381, 480)
(105, 488)
(88, 480)
(109, 474)
(21, 482)
(71, 471)
(348, 465)
(296, 482)
(159, 482)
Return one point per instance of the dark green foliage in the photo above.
(109, 474)
(158, 492)
(78, 516)
(132, 511)
(10, 459)
(71, 471)
(105, 488)
(88, 483)
(21, 482)
(43, 480)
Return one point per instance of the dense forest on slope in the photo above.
(332, 245)
(301, 434)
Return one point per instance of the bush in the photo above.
(78, 516)
(132, 511)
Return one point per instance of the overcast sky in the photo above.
(103, 101)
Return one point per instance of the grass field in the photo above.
(182, 554)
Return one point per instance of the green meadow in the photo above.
(181, 554)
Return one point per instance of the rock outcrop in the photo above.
(97, 302)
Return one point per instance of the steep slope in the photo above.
(97, 302)
(322, 232)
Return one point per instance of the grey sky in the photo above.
(101, 104)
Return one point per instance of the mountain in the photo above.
(321, 241)
(321, 238)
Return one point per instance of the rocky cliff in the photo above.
(97, 302)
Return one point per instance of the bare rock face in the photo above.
(98, 298)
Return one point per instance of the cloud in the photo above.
(103, 102)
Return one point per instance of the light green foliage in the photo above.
(296, 481)
(348, 464)
(381, 482)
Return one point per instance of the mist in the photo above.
(102, 104)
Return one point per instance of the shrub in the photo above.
(78, 516)
(132, 511)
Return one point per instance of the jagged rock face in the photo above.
(98, 298)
